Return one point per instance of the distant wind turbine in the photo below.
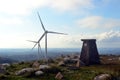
(39, 47)
(45, 34)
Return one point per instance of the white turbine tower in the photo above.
(45, 34)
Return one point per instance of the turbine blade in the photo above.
(41, 37)
(41, 22)
(32, 41)
(34, 46)
(57, 33)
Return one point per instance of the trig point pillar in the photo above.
(89, 53)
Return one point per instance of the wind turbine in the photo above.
(39, 47)
(45, 34)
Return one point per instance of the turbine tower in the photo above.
(45, 34)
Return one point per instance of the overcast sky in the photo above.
(81, 19)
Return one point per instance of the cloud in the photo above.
(98, 22)
(12, 11)
(10, 21)
(111, 38)
(90, 22)
(67, 5)
(21, 7)
(105, 39)
(10, 41)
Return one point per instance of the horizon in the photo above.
(54, 51)
(80, 19)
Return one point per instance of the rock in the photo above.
(41, 67)
(67, 60)
(36, 64)
(4, 65)
(3, 68)
(103, 77)
(39, 73)
(25, 70)
(52, 69)
(61, 63)
(74, 61)
(119, 58)
(70, 61)
(110, 59)
(74, 56)
(59, 76)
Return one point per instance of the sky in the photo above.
(80, 19)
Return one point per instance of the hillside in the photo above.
(109, 65)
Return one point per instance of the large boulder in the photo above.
(3, 68)
(74, 56)
(4, 65)
(39, 73)
(68, 60)
(103, 77)
(42, 67)
(50, 69)
(61, 63)
(25, 71)
(119, 58)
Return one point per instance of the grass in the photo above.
(83, 73)
(88, 73)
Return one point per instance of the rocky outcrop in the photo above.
(68, 60)
(3, 68)
(39, 73)
(42, 67)
(103, 77)
(25, 71)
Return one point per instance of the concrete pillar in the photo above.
(89, 53)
